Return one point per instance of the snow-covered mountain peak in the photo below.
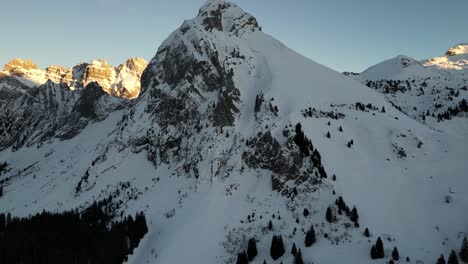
(402, 66)
(26, 70)
(20, 64)
(225, 16)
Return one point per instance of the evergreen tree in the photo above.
(341, 203)
(441, 260)
(258, 103)
(252, 249)
(277, 247)
(298, 258)
(310, 237)
(383, 109)
(366, 232)
(1, 190)
(328, 134)
(329, 215)
(395, 254)
(464, 250)
(378, 249)
(242, 258)
(354, 215)
(294, 250)
(373, 252)
(305, 213)
(453, 259)
(270, 225)
(340, 129)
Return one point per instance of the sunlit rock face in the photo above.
(122, 81)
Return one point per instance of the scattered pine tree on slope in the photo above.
(329, 215)
(242, 258)
(395, 254)
(310, 237)
(441, 260)
(354, 215)
(252, 249)
(298, 258)
(366, 232)
(453, 259)
(464, 251)
(377, 250)
(294, 250)
(277, 247)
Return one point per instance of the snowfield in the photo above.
(166, 154)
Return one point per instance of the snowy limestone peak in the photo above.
(455, 60)
(26, 70)
(458, 49)
(122, 81)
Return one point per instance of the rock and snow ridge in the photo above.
(455, 59)
(122, 81)
(432, 91)
(212, 152)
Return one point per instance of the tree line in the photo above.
(70, 237)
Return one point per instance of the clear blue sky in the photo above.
(341, 34)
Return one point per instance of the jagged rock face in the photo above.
(189, 61)
(122, 81)
(101, 72)
(214, 16)
(190, 92)
(20, 66)
(10, 90)
(58, 74)
(127, 83)
(51, 111)
(267, 153)
(188, 88)
(26, 69)
(4, 74)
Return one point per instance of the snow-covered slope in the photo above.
(122, 81)
(432, 91)
(212, 151)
